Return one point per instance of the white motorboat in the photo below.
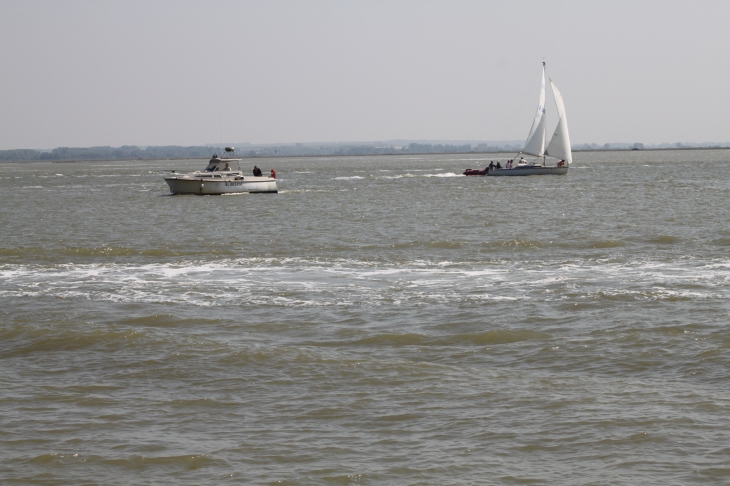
(558, 148)
(220, 178)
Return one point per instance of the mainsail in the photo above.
(560, 143)
(535, 144)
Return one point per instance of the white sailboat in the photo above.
(559, 146)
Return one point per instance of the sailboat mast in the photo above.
(544, 70)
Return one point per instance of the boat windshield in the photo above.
(219, 166)
(213, 165)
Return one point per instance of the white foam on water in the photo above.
(351, 282)
(348, 178)
(447, 174)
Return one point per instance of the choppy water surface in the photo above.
(382, 320)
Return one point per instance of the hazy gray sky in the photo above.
(82, 73)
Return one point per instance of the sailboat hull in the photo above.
(525, 171)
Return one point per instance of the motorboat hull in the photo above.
(475, 172)
(525, 171)
(215, 186)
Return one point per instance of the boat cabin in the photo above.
(217, 164)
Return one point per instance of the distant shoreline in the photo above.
(253, 157)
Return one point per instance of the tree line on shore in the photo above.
(131, 152)
(125, 152)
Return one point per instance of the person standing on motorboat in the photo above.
(256, 171)
(491, 165)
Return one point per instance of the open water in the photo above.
(381, 320)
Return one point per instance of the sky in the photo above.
(177, 72)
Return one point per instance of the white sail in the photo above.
(560, 143)
(535, 144)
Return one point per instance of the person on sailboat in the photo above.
(561, 163)
(256, 171)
